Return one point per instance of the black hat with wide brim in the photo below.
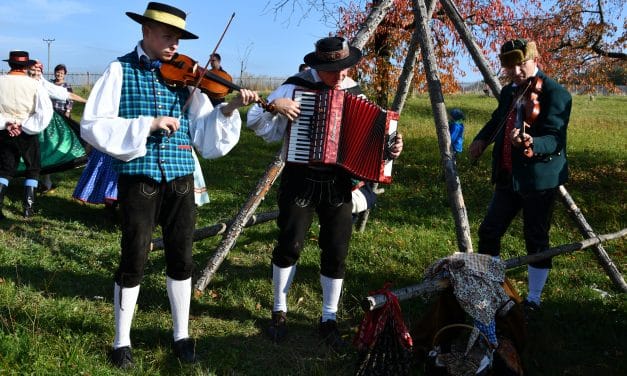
(20, 59)
(164, 14)
(333, 54)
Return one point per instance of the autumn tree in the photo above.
(578, 37)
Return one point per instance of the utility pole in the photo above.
(49, 41)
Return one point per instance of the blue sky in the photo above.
(90, 34)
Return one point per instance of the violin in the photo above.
(224, 75)
(182, 70)
(532, 107)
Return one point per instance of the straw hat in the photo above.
(164, 14)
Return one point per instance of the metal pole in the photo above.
(49, 41)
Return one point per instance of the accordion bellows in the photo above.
(339, 128)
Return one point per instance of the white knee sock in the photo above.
(282, 281)
(180, 294)
(331, 291)
(537, 279)
(123, 310)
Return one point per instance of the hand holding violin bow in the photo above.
(531, 103)
(522, 140)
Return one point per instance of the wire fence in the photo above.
(267, 84)
(250, 82)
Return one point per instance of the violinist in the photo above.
(216, 68)
(529, 162)
(150, 127)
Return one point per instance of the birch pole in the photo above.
(407, 74)
(429, 287)
(243, 216)
(456, 199)
(473, 48)
(220, 228)
(586, 230)
(367, 29)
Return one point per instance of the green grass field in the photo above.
(56, 315)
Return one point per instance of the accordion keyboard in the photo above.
(300, 131)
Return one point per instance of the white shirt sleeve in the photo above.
(266, 125)
(38, 121)
(212, 133)
(55, 92)
(101, 125)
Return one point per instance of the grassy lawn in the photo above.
(56, 270)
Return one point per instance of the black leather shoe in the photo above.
(331, 335)
(531, 310)
(121, 357)
(278, 326)
(185, 350)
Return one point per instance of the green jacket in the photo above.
(548, 168)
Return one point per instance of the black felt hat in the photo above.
(20, 58)
(165, 14)
(333, 54)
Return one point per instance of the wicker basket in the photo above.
(452, 355)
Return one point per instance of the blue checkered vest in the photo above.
(145, 94)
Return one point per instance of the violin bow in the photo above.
(214, 51)
(200, 76)
(514, 105)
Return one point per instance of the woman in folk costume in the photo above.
(133, 115)
(60, 144)
(98, 184)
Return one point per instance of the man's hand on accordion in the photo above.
(287, 107)
(396, 148)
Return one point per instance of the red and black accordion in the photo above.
(336, 127)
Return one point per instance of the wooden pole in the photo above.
(586, 230)
(407, 74)
(220, 228)
(473, 48)
(254, 199)
(429, 287)
(453, 184)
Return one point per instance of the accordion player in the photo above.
(341, 128)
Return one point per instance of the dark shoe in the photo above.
(331, 335)
(29, 202)
(44, 189)
(531, 309)
(3, 190)
(185, 350)
(121, 357)
(278, 326)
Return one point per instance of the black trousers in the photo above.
(12, 148)
(304, 192)
(537, 211)
(145, 203)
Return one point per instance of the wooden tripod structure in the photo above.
(423, 9)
